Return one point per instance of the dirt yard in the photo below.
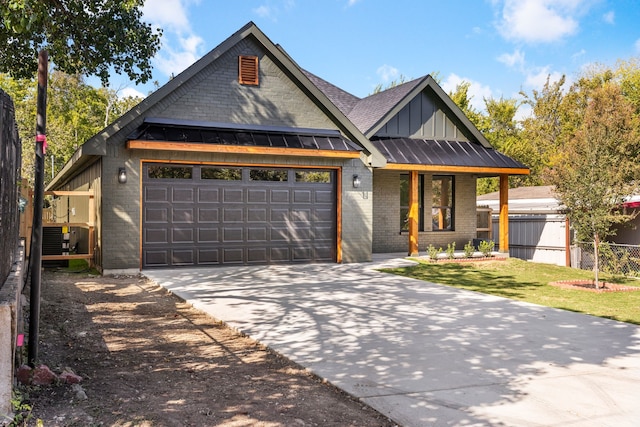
(149, 359)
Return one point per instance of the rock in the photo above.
(23, 374)
(42, 375)
(69, 377)
(79, 391)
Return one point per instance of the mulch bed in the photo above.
(589, 286)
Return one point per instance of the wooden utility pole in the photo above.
(35, 257)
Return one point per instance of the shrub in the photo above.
(486, 247)
(433, 252)
(469, 250)
(451, 249)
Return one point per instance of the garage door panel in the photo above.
(232, 256)
(158, 258)
(208, 256)
(182, 195)
(156, 215)
(208, 235)
(322, 196)
(280, 196)
(156, 235)
(156, 194)
(257, 215)
(235, 214)
(232, 235)
(182, 235)
(181, 257)
(257, 255)
(208, 215)
(182, 215)
(215, 221)
(256, 235)
(257, 195)
(232, 195)
(302, 196)
(208, 195)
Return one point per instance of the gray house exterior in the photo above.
(245, 158)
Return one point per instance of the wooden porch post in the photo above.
(414, 212)
(504, 213)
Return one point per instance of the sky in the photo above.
(501, 47)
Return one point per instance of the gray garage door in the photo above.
(220, 215)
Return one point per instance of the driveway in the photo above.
(426, 354)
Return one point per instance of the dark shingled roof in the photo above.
(342, 99)
(443, 153)
(370, 110)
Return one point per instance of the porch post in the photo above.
(504, 213)
(414, 212)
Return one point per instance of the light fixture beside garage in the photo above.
(356, 181)
(122, 175)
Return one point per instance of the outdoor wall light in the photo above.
(356, 181)
(122, 175)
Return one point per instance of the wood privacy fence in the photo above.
(10, 162)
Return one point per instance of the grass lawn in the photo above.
(528, 281)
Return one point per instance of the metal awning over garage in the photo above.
(446, 156)
(158, 133)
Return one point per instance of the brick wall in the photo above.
(386, 215)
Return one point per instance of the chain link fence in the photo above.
(10, 159)
(614, 258)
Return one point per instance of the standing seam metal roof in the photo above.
(443, 153)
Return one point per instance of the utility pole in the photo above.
(38, 202)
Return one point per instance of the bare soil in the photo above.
(149, 359)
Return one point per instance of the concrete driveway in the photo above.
(426, 354)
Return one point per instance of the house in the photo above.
(538, 228)
(246, 158)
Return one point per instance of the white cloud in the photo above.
(537, 79)
(181, 47)
(263, 11)
(387, 73)
(540, 21)
(609, 17)
(352, 2)
(128, 91)
(477, 91)
(514, 60)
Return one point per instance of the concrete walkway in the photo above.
(426, 354)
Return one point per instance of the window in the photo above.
(313, 176)
(404, 202)
(442, 209)
(223, 174)
(442, 203)
(268, 175)
(169, 172)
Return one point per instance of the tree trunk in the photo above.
(596, 257)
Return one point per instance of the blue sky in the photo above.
(500, 46)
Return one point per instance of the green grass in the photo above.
(528, 281)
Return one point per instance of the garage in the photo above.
(229, 215)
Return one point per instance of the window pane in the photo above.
(313, 176)
(442, 203)
(224, 174)
(268, 175)
(169, 172)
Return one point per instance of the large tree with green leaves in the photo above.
(86, 37)
(598, 166)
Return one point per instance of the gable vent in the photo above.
(248, 70)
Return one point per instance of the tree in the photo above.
(598, 167)
(76, 111)
(85, 37)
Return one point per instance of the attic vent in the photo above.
(248, 70)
